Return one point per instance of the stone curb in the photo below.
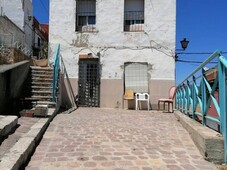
(7, 123)
(22, 150)
(209, 142)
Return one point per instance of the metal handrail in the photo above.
(56, 66)
(194, 99)
(212, 56)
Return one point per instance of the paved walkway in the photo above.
(110, 139)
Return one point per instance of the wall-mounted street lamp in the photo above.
(184, 43)
(29, 17)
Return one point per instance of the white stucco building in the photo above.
(129, 44)
(20, 12)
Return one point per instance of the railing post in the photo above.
(223, 105)
(181, 98)
(194, 98)
(204, 97)
(185, 98)
(178, 98)
(188, 97)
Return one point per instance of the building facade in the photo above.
(40, 39)
(9, 31)
(109, 47)
(20, 12)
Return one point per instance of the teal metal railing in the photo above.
(197, 92)
(56, 67)
(59, 68)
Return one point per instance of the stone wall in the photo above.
(10, 32)
(209, 142)
(12, 78)
(12, 56)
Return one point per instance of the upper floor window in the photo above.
(134, 15)
(85, 15)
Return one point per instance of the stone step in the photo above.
(25, 124)
(31, 98)
(41, 68)
(17, 148)
(41, 96)
(41, 79)
(36, 98)
(42, 92)
(43, 84)
(7, 124)
(41, 88)
(48, 103)
(49, 72)
(32, 101)
(42, 75)
(41, 71)
(38, 70)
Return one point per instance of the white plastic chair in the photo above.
(142, 97)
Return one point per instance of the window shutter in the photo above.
(136, 77)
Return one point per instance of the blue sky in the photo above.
(41, 10)
(202, 22)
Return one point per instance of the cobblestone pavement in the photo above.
(111, 139)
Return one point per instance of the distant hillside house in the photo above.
(40, 39)
(111, 46)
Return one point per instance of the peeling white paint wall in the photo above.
(155, 45)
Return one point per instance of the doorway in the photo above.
(89, 82)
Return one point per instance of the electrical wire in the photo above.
(194, 53)
(195, 62)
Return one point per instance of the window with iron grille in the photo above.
(134, 15)
(85, 15)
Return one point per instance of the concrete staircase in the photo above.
(38, 88)
(20, 136)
